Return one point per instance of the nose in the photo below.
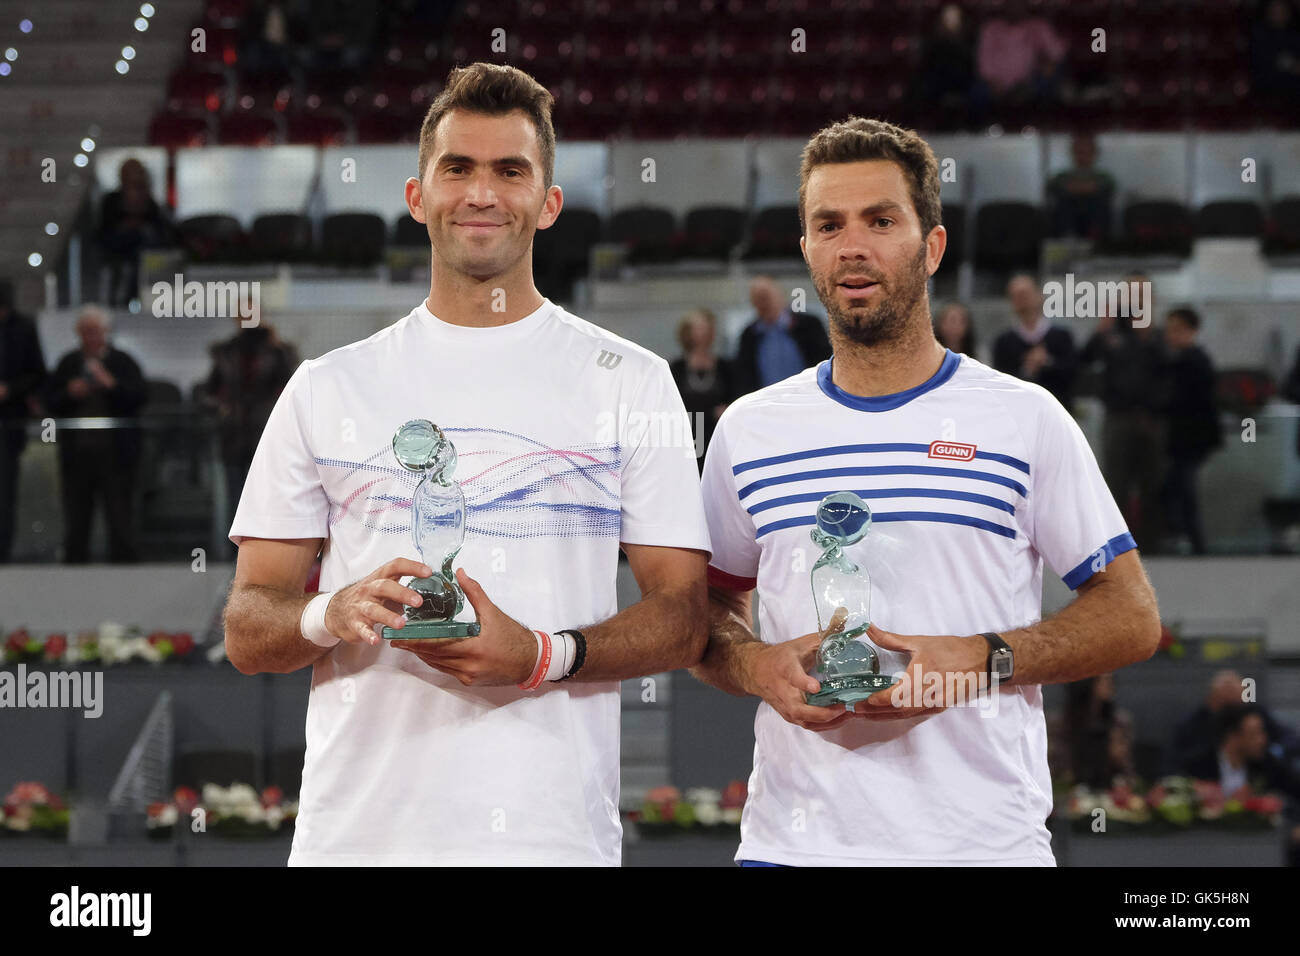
(479, 192)
(855, 244)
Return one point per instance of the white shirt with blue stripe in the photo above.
(974, 478)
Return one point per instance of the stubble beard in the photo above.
(886, 321)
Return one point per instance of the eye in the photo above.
(513, 172)
(885, 221)
(826, 225)
(455, 169)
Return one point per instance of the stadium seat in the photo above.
(194, 90)
(212, 238)
(561, 253)
(353, 239)
(321, 128)
(265, 90)
(774, 234)
(332, 88)
(253, 182)
(409, 234)
(280, 237)
(713, 231)
(1007, 236)
(248, 129)
(179, 130)
(389, 126)
(1230, 217)
(649, 232)
(1157, 227)
(1283, 236)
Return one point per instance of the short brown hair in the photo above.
(856, 139)
(493, 89)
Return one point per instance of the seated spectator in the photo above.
(1019, 58)
(1195, 733)
(1275, 54)
(946, 71)
(1192, 426)
(955, 330)
(778, 343)
(249, 371)
(1079, 198)
(130, 221)
(703, 377)
(97, 381)
(22, 373)
(1239, 759)
(1034, 349)
(1098, 734)
(1130, 365)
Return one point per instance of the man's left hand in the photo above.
(943, 654)
(504, 652)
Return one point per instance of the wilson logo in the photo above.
(951, 449)
(608, 359)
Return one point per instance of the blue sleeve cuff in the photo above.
(1109, 551)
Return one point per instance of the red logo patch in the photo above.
(951, 449)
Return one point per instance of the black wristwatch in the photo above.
(1002, 662)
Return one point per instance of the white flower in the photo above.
(109, 631)
(703, 795)
(707, 814)
(731, 815)
(274, 815)
(213, 796)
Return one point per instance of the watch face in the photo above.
(1002, 664)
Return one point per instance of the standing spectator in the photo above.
(946, 71)
(130, 220)
(1080, 197)
(1192, 426)
(97, 381)
(249, 370)
(955, 330)
(1132, 374)
(22, 372)
(1034, 349)
(778, 343)
(703, 377)
(1019, 58)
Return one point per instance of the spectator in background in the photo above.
(946, 71)
(1130, 363)
(1019, 58)
(1196, 732)
(340, 33)
(1079, 198)
(270, 33)
(1096, 733)
(1275, 55)
(1034, 349)
(130, 221)
(703, 377)
(1192, 425)
(1240, 758)
(249, 370)
(97, 381)
(778, 343)
(22, 373)
(955, 330)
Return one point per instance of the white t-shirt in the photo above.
(973, 478)
(404, 764)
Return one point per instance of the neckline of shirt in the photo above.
(885, 403)
(496, 333)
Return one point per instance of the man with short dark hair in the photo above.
(779, 342)
(1035, 349)
(498, 748)
(973, 478)
(1192, 428)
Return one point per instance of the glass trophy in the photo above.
(438, 529)
(848, 665)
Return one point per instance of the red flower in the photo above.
(1166, 638)
(182, 643)
(272, 797)
(56, 645)
(186, 799)
(17, 640)
(734, 795)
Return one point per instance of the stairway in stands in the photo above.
(62, 87)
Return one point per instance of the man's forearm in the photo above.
(661, 632)
(1113, 624)
(731, 640)
(262, 634)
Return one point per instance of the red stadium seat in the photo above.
(264, 90)
(198, 89)
(248, 129)
(179, 130)
(322, 128)
(388, 126)
(280, 237)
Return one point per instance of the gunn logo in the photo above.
(951, 449)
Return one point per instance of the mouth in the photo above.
(857, 286)
(479, 226)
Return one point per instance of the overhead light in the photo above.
(25, 26)
(88, 145)
(146, 9)
(11, 54)
(141, 24)
(122, 66)
(81, 159)
(34, 260)
(51, 228)
(128, 53)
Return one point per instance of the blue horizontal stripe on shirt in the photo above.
(939, 516)
(885, 470)
(998, 503)
(879, 447)
(1111, 550)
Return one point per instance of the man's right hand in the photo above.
(779, 674)
(377, 598)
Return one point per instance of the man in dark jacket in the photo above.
(22, 372)
(778, 343)
(97, 381)
(1192, 423)
(1034, 349)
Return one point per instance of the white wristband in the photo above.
(312, 623)
(562, 656)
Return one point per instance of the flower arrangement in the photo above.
(1174, 803)
(109, 644)
(237, 810)
(701, 809)
(32, 808)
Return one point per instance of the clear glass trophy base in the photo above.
(849, 690)
(431, 631)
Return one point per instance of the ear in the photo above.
(935, 245)
(414, 202)
(803, 250)
(551, 208)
